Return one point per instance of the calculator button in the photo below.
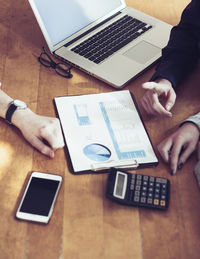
(164, 181)
(138, 182)
(149, 201)
(137, 193)
(144, 188)
(158, 180)
(164, 191)
(162, 203)
(132, 187)
(130, 196)
(150, 190)
(157, 190)
(156, 202)
(157, 185)
(132, 181)
(152, 179)
(156, 196)
(139, 177)
(163, 197)
(137, 187)
(133, 176)
(143, 199)
(145, 183)
(136, 198)
(143, 194)
(151, 184)
(145, 177)
(161, 180)
(150, 195)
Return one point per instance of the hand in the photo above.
(176, 148)
(159, 97)
(36, 129)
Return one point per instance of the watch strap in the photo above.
(10, 111)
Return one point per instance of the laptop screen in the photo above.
(63, 18)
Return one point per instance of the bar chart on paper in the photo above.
(104, 130)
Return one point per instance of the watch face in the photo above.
(20, 104)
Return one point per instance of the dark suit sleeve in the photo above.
(181, 53)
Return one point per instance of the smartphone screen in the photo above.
(39, 197)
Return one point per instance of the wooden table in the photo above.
(84, 224)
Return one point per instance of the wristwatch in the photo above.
(13, 106)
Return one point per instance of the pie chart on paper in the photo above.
(97, 152)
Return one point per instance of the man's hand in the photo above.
(38, 129)
(159, 97)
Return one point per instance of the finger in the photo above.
(52, 137)
(48, 136)
(148, 100)
(147, 106)
(151, 110)
(149, 85)
(143, 102)
(157, 106)
(175, 153)
(154, 87)
(43, 148)
(170, 100)
(165, 149)
(185, 154)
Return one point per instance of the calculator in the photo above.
(138, 189)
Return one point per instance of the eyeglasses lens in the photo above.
(63, 70)
(44, 60)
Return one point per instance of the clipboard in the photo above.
(102, 131)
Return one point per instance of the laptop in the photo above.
(106, 39)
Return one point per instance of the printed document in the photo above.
(104, 130)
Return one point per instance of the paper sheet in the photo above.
(103, 129)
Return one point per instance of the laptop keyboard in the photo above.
(109, 40)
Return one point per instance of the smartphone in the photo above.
(39, 197)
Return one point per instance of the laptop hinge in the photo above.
(92, 29)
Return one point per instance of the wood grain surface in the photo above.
(84, 224)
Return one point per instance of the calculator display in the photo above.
(120, 185)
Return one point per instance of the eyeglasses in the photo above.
(60, 68)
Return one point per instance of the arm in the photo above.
(179, 57)
(176, 148)
(35, 128)
(195, 119)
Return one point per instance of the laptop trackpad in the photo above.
(142, 52)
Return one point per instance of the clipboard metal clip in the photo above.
(113, 163)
